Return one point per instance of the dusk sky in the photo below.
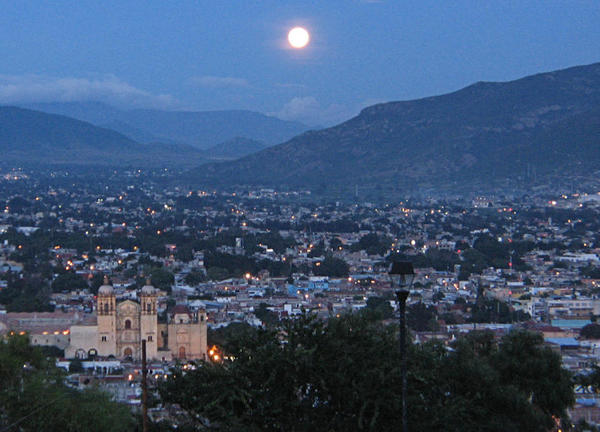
(207, 55)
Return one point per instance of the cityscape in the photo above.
(234, 229)
(259, 257)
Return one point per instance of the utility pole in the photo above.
(144, 389)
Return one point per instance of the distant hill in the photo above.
(202, 129)
(234, 149)
(135, 134)
(545, 124)
(28, 136)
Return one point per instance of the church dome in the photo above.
(105, 289)
(148, 289)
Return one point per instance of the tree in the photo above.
(331, 266)
(526, 363)
(590, 271)
(335, 244)
(438, 296)
(28, 294)
(496, 252)
(488, 385)
(162, 279)
(194, 278)
(421, 317)
(473, 262)
(96, 282)
(494, 310)
(76, 366)
(344, 374)
(329, 377)
(379, 307)
(184, 253)
(217, 273)
(33, 396)
(69, 281)
(373, 244)
(221, 336)
(441, 259)
(590, 331)
(267, 316)
(318, 250)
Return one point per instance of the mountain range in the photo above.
(201, 129)
(524, 131)
(234, 149)
(34, 137)
(541, 125)
(92, 133)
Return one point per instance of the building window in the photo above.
(149, 307)
(149, 338)
(103, 338)
(180, 320)
(127, 324)
(106, 308)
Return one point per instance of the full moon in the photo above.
(298, 37)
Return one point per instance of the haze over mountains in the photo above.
(525, 130)
(234, 149)
(201, 129)
(93, 133)
(542, 125)
(33, 137)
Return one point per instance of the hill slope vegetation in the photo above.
(537, 126)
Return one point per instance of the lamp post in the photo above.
(402, 275)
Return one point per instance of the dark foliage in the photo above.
(33, 396)
(590, 331)
(331, 266)
(344, 375)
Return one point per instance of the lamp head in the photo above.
(402, 274)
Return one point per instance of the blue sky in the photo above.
(232, 54)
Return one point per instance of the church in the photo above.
(121, 326)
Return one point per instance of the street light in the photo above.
(402, 275)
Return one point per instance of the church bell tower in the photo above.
(106, 310)
(148, 319)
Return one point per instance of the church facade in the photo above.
(121, 327)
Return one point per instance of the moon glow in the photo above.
(298, 37)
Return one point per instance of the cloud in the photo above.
(219, 82)
(290, 85)
(109, 89)
(307, 109)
